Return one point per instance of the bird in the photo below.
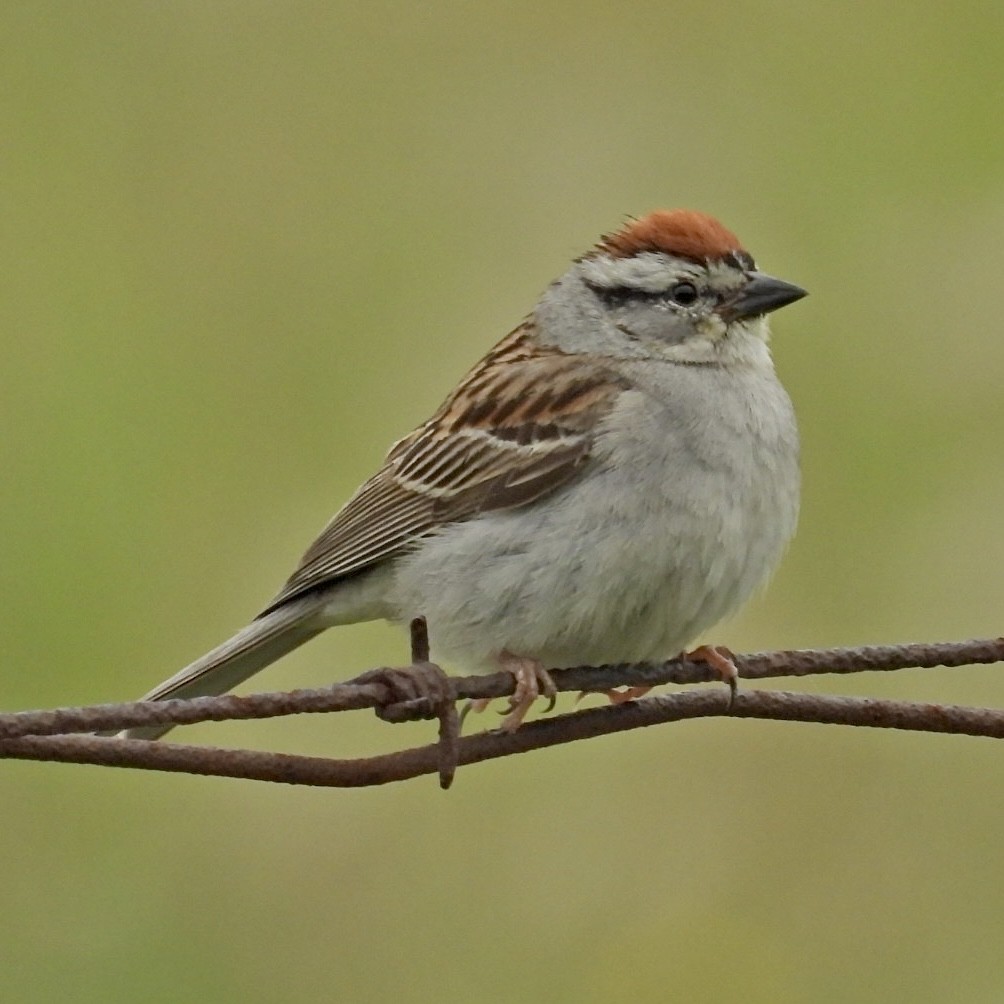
(612, 479)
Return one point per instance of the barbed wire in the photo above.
(422, 690)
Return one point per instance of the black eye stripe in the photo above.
(684, 293)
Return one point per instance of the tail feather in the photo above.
(252, 649)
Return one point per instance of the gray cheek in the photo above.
(653, 323)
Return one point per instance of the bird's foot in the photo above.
(722, 661)
(532, 681)
(616, 696)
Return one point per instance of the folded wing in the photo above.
(519, 426)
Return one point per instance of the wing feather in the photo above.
(520, 425)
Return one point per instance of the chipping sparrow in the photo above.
(614, 477)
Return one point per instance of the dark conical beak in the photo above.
(761, 294)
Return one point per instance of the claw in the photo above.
(532, 681)
(722, 661)
(627, 694)
(477, 705)
(616, 696)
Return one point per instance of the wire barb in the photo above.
(421, 690)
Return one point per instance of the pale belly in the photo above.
(671, 531)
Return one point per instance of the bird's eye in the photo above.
(684, 293)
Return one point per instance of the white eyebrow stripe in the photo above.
(647, 272)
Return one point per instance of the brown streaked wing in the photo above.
(520, 425)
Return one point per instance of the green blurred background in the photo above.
(247, 245)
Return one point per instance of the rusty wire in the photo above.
(55, 735)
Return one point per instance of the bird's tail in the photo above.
(254, 647)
